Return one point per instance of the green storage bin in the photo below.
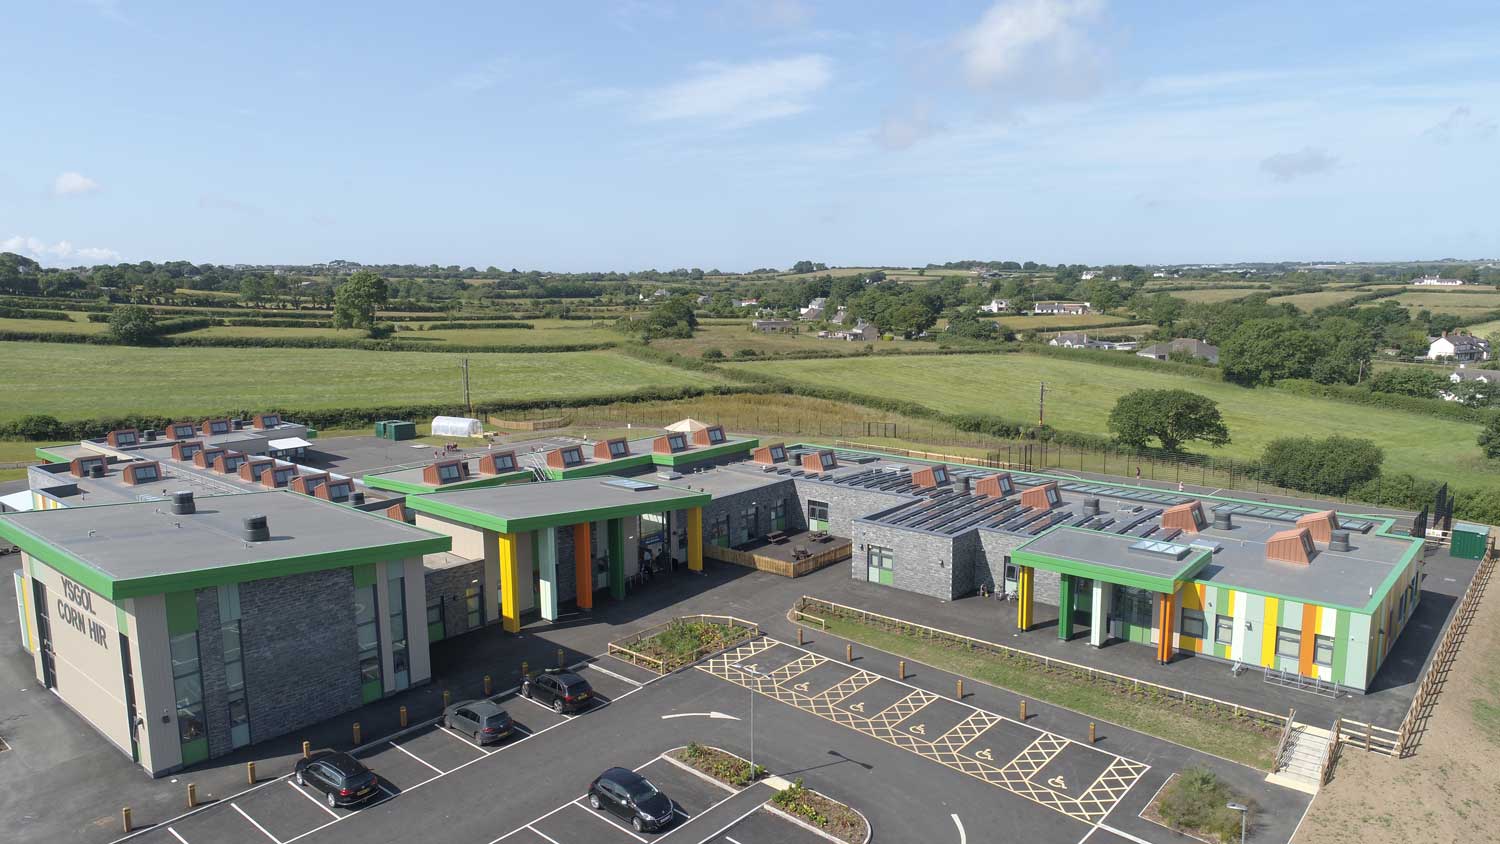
(380, 428)
(402, 430)
(1470, 541)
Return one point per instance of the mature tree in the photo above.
(132, 325)
(1331, 466)
(1489, 437)
(1414, 381)
(1263, 351)
(1472, 393)
(1172, 417)
(963, 322)
(357, 299)
(671, 318)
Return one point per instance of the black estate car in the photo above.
(632, 797)
(482, 719)
(564, 691)
(343, 780)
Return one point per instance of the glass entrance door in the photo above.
(1132, 611)
(881, 565)
(44, 635)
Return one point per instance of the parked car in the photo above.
(564, 691)
(632, 797)
(482, 719)
(344, 780)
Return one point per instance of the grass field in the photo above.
(1214, 294)
(81, 382)
(1462, 304)
(547, 332)
(53, 326)
(729, 338)
(1048, 322)
(1080, 396)
(1313, 301)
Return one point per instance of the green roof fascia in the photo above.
(1109, 574)
(430, 505)
(42, 453)
(698, 455)
(476, 482)
(602, 467)
(45, 552)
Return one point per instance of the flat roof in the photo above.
(509, 509)
(1107, 556)
(142, 548)
(730, 479)
(410, 480)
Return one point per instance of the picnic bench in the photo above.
(776, 537)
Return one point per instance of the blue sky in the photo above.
(737, 134)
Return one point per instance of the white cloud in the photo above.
(61, 252)
(744, 93)
(1461, 125)
(904, 130)
(73, 184)
(1286, 166)
(1038, 45)
(775, 14)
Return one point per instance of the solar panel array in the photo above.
(1279, 514)
(1127, 494)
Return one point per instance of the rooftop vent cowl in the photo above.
(1338, 540)
(1091, 506)
(963, 484)
(256, 529)
(358, 498)
(182, 503)
(1223, 521)
(96, 470)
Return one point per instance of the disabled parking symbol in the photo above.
(1058, 782)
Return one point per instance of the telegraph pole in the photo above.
(468, 405)
(1041, 406)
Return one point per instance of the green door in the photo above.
(880, 564)
(778, 515)
(1132, 609)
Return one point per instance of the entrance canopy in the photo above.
(1114, 558)
(522, 507)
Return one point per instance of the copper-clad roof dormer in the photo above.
(216, 426)
(1321, 524)
(308, 484)
(670, 443)
(566, 457)
(278, 476)
(81, 467)
(396, 511)
(1043, 497)
(814, 462)
(185, 449)
(712, 435)
(611, 449)
(123, 438)
(769, 455)
(147, 472)
(497, 463)
(205, 458)
(252, 469)
(181, 431)
(1293, 545)
(335, 489)
(1187, 516)
(930, 477)
(264, 421)
(228, 462)
(995, 486)
(445, 472)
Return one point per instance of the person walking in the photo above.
(1137, 473)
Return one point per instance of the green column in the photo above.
(616, 532)
(1065, 599)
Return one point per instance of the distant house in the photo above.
(996, 306)
(814, 309)
(703, 299)
(746, 303)
(661, 293)
(862, 331)
(1472, 376)
(840, 316)
(1072, 340)
(1460, 347)
(1182, 345)
(1090, 275)
(772, 326)
(1437, 281)
(1069, 308)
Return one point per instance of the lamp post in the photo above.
(754, 672)
(1244, 814)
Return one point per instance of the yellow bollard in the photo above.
(125, 818)
(306, 750)
(1023, 710)
(901, 670)
(403, 717)
(192, 796)
(525, 670)
(447, 696)
(487, 686)
(1091, 733)
(356, 734)
(960, 689)
(799, 635)
(562, 662)
(250, 773)
(848, 653)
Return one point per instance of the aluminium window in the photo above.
(146, 474)
(939, 475)
(367, 632)
(1193, 624)
(572, 456)
(472, 607)
(449, 472)
(504, 462)
(400, 658)
(1288, 642)
(817, 510)
(778, 453)
(187, 686)
(826, 460)
(618, 449)
(220, 426)
(878, 556)
(1322, 650)
(716, 434)
(676, 442)
(1223, 630)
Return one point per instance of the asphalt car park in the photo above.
(918, 764)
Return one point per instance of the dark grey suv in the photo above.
(482, 719)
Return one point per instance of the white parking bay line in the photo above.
(246, 815)
(607, 819)
(416, 757)
(315, 801)
(465, 741)
(606, 671)
(175, 835)
(730, 840)
(542, 834)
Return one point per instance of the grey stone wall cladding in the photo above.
(763, 498)
(567, 575)
(301, 651)
(845, 504)
(449, 584)
(923, 563)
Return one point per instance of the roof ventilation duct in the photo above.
(96, 470)
(1091, 506)
(182, 503)
(1338, 540)
(1223, 521)
(358, 498)
(256, 529)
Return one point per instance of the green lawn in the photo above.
(53, 326)
(1215, 294)
(547, 332)
(81, 382)
(1046, 322)
(1080, 396)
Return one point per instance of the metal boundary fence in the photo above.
(898, 625)
(628, 650)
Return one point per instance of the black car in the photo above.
(632, 797)
(482, 719)
(343, 780)
(564, 691)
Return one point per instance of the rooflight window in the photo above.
(270, 420)
(778, 453)
(504, 462)
(449, 472)
(826, 460)
(282, 476)
(233, 461)
(618, 449)
(125, 438)
(219, 426)
(572, 456)
(716, 435)
(1053, 496)
(939, 475)
(145, 473)
(676, 442)
(338, 492)
(183, 431)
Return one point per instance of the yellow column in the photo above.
(695, 538)
(1023, 596)
(510, 585)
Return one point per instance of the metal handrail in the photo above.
(1286, 735)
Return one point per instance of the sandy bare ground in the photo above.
(1450, 790)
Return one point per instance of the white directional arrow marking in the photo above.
(718, 715)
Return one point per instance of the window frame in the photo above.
(811, 515)
(1221, 622)
(1293, 638)
(1319, 643)
(1197, 617)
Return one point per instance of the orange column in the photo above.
(1164, 631)
(583, 566)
